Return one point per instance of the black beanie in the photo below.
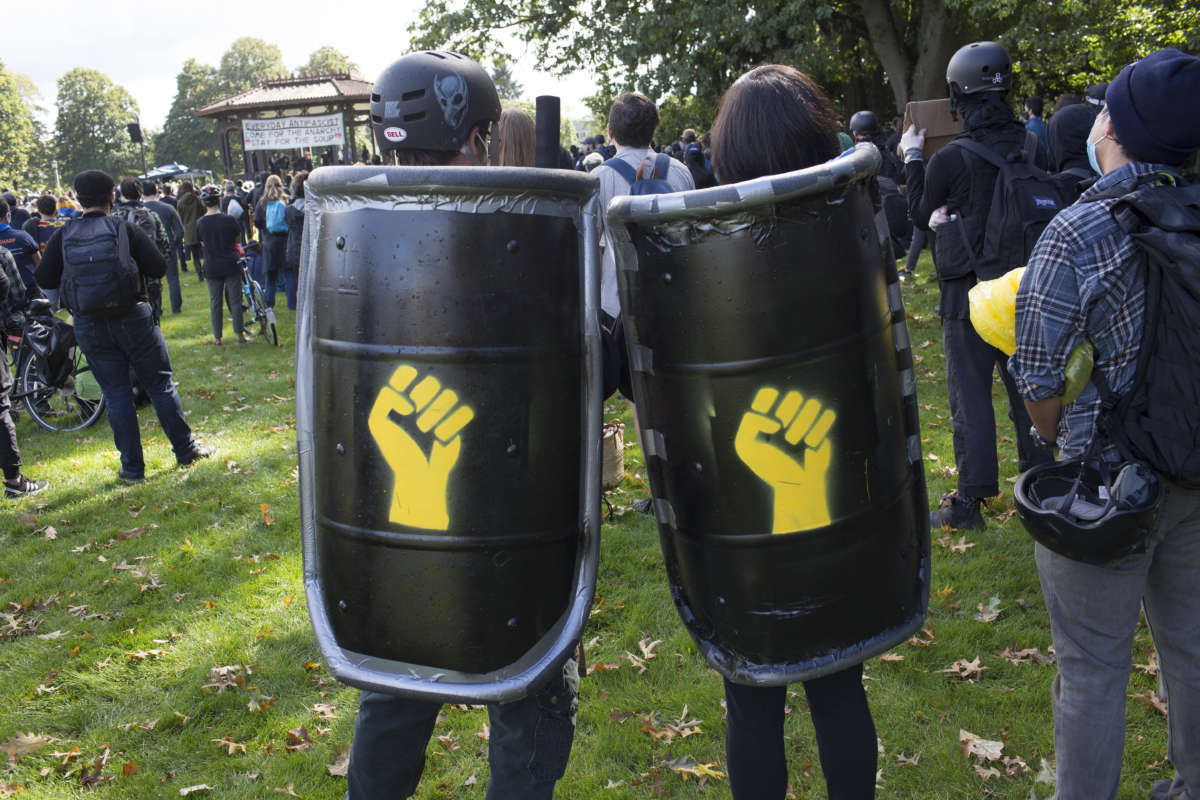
(1153, 107)
(94, 187)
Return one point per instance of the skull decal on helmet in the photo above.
(451, 91)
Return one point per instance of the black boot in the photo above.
(960, 513)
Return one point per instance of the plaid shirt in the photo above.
(1084, 279)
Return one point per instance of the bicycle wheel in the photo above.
(76, 404)
(265, 317)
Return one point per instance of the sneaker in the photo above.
(960, 513)
(216, 342)
(130, 477)
(905, 273)
(643, 506)
(199, 451)
(23, 487)
(1168, 789)
(243, 338)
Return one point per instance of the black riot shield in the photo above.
(777, 404)
(448, 414)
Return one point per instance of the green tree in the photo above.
(328, 59)
(186, 138)
(507, 85)
(248, 61)
(852, 47)
(90, 126)
(18, 130)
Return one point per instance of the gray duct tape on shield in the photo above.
(770, 359)
(448, 415)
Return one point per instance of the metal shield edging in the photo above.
(856, 166)
(431, 186)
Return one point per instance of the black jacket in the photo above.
(143, 249)
(294, 214)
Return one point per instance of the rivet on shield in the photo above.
(512, 623)
(720, 601)
(512, 246)
(342, 605)
(340, 242)
(666, 277)
(341, 449)
(512, 449)
(698, 467)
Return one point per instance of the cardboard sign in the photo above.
(934, 117)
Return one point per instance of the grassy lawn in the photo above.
(155, 637)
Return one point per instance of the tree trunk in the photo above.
(888, 45)
(936, 43)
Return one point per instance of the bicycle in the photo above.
(51, 375)
(254, 302)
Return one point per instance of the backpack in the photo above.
(149, 223)
(100, 277)
(1024, 201)
(13, 303)
(1156, 420)
(276, 222)
(656, 183)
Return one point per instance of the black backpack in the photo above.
(1024, 201)
(100, 277)
(1157, 421)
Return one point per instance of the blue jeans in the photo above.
(1093, 615)
(112, 347)
(287, 278)
(528, 747)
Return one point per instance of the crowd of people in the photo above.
(1083, 280)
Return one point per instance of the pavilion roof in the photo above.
(296, 92)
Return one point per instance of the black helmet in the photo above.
(979, 67)
(430, 101)
(210, 195)
(866, 123)
(1079, 509)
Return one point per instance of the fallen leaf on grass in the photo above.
(1151, 665)
(9, 789)
(891, 657)
(602, 666)
(266, 517)
(89, 778)
(923, 639)
(964, 670)
(1015, 766)
(201, 787)
(912, 762)
(298, 739)
(1025, 656)
(647, 647)
(471, 781)
(129, 768)
(449, 741)
(23, 744)
(985, 773)
(686, 766)
(341, 763)
(981, 748)
(1152, 700)
(485, 732)
(290, 790)
(232, 746)
(324, 710)
(259, 702)
(990, 611)
(961, 546)
(670, 731)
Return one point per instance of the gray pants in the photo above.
(232, 285)
(1093, 613)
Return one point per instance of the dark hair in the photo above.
(8, 197)
(773, 119)
(186, 186)
(632, 120)
(1066, 99)
(3, 210)
(298, 181)
(418, 158)
(1035, 105)
(149, 187)
(131, 189)
(47, 205)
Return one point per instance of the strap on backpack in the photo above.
(623, 168)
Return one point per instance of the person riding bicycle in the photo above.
(12, 290)
(219, 234)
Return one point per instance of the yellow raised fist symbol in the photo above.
(401, 412)
(796, 474)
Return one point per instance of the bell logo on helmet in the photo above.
(395, 134)
(997, 79)
(451, 91)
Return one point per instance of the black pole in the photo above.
(547, 146)
(144, 170)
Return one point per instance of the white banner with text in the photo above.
(289, 133)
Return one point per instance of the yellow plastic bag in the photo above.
(993, 307)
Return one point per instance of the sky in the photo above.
(143, 45)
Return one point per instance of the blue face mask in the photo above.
(1091, 153)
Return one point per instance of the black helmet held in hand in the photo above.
(431, 101)
(1089, 511)
(866, 124)
(210, 195)
(979, 67)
